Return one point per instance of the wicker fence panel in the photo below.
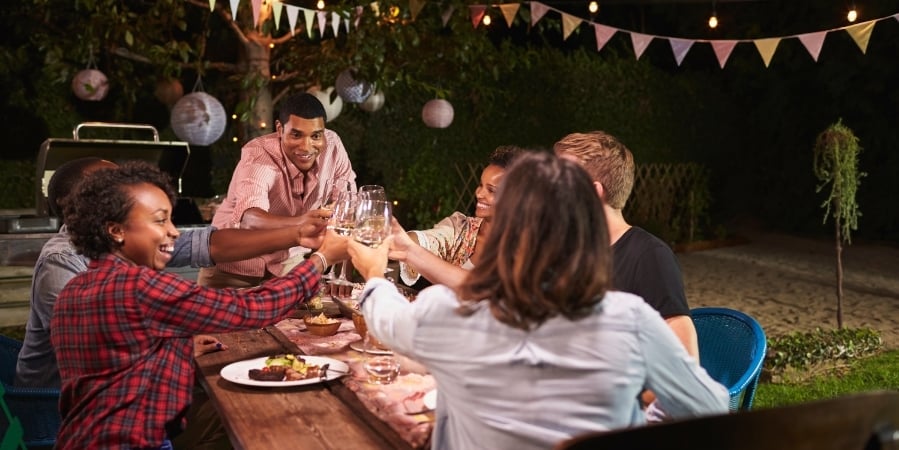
(670, 200)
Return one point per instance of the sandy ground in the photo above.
(789, 283)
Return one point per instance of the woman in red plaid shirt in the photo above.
(123, 330)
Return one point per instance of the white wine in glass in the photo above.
(343, 220)
(372, 222)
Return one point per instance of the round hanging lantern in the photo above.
(198, 118)
(90, 84)
(350, 89)
(168, 91)
(374, 102)
(437, 113)
(330, 100)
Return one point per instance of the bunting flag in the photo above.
(257, 5)
(813, 42)
(322, 22)
(640, 41)
(276, 10)
(292, 12)
(308, 14)
(477, 13)
(722, 50)
(447, 15)
(766, 48)
(335, 23)
(211, 5)
(359, 11)
(234, 4)
(603, 34)
(680, 47)
(415, 7)
(537, 11)
(509, 11)
(861, 34)
(569, 24)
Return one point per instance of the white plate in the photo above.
(357, 345)
(430, 399)
(238, 372)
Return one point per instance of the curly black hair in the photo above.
(504, 155)
(102, 198)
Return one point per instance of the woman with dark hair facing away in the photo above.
(444, 253)
(533, 347)
(123, 329)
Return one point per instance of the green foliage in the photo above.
(17, 184)
(873, 373)
(836, 164)
(801, 350)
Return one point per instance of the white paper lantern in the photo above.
(437, 113)
(374, 102)
(90, 84)
(331, 101)
(350, 89)
(168, 91)
(198, 118)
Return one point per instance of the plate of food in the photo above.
(284, 370)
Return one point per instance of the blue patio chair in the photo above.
(36, 408)
(732, 349)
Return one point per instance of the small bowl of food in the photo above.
(321, 325)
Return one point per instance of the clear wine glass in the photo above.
(335, 189)
(372, 192)
(343, 221)
(372, 221)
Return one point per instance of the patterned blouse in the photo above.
(453, 239)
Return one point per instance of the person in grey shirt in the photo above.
(59, 262)
(533, 348)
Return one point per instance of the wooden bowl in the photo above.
(321, 329)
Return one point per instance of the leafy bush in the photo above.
(802, 350)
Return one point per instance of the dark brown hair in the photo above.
(548, 251)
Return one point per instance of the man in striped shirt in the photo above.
(280, 177)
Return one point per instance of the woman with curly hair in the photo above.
(533, 347)
(123, 330)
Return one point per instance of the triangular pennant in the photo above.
(477, 13)
(680, 47)
(861, 34)
(257, 5)
(447, 14)
(292, 12)
(640, 41)
(603, 34)
(322, 22)
(569, 24)
(415, 7)
(375, 8)
(766, 48)
(234, 5)
(537, 11)
(346, 23)
(509, 11)
(359, 10)
(308, 14)
(211, 5)
(276, 9)
(722, 50)
(335, 22)
(813, 43)
(896, 16)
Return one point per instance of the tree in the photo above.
(836, 164)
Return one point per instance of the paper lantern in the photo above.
(331, 101)
(374, 102)
(350, 89)
(168, 91)
(437, 113)
(198, 118)
(90, 84)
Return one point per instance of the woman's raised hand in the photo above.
(401, 242)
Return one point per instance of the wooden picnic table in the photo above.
(324, 416)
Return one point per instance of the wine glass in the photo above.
(335, 189)
(372, 192)
(343, 221)
(372, 222)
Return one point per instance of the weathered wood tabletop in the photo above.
(325, 416)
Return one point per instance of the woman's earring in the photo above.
(119, 240)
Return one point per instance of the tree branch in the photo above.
(128, 54)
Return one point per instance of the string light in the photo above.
(852, 15)
(234, 116)
(271, 45)
(261, 125)
(713, 21)
(593, 7)
(394, 11)
(487, 20)
(320, 4)
(234, 139)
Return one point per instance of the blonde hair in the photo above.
(607, 161)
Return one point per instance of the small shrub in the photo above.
(802, 350)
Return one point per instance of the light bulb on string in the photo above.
(593, 7)
(487, 20)
(320, 4)
(713, 21)
(852, 15)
